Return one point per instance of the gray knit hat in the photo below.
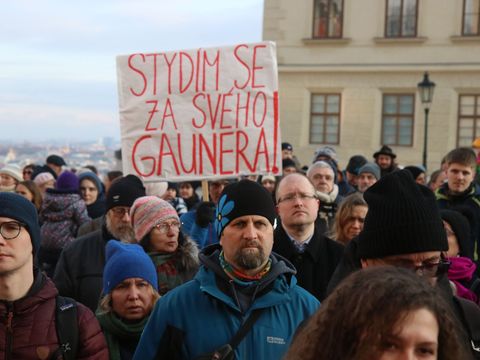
(370, 168)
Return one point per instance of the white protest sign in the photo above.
(200, 114)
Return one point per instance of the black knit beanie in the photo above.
(461, 228)
(124, 191)
(242, 198)
(16, 207)
(414, 170)
(402, 218)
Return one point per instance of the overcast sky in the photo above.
(57, 64)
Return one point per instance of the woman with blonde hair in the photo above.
(349, 218)
(30, 191)
(130, 291)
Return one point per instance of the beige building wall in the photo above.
(364, 65)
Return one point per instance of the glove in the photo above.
(205, 213)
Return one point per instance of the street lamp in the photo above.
(425, 88)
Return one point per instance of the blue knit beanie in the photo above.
(90, 175)
(18, 208)
(126, 261)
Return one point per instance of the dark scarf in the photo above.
(98, 208)
(118, 332)
(167, 271)
(459, 196)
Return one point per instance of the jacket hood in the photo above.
(59, 206)
(278, 282)
(187, 253)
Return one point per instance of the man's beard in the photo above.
(250, 259)
(124, 233)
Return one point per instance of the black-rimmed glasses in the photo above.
(433, 269)
(10, 229)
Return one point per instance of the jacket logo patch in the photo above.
(275, 340)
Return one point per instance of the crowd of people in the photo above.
(374, 261)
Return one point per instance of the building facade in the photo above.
(349, 69)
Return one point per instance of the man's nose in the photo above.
(250, 231)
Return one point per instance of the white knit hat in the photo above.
(12, 170)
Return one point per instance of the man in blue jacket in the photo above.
(237, 276)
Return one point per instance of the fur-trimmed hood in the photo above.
(187, 253)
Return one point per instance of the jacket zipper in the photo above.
(9, 332)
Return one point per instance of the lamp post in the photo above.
(425, 88)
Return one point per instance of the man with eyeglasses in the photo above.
(322, 176)
(403, 228)
(300, 239)
(79, 270)
(28, 298)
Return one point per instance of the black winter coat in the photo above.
(79, 270)
(315, 266)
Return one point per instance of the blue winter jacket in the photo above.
(198, 317)
(204, 236)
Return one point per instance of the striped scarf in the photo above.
(238, 275)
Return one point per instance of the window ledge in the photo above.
(468, 38)
(326, 41)
(399, 40)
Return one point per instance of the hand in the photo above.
(205, 213)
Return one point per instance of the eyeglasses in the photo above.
(426, 269)
(10, 229)
(120, 211)
(27, 171)
(293, 197)
(165, 227)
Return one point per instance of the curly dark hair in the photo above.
(358, 318)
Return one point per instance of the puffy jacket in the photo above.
(61, 215)
(28, 328)
(198, 317)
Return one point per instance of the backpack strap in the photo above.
(470, 314)
(226, 351)
(66, 320)
(245, 328)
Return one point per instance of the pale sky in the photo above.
(57, 63)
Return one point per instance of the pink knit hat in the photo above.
(42, 178)
(148, 211)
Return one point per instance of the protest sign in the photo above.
(200, 114)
